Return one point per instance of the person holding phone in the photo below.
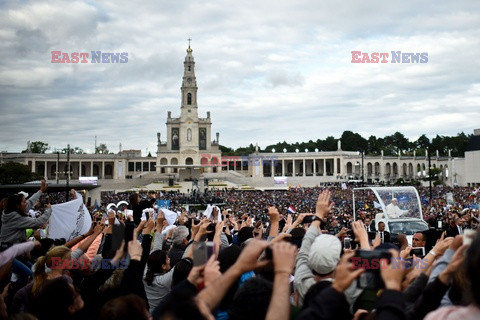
(137, 206)
(16, 219)
(419, 240)
(433, 233)
(158, 278)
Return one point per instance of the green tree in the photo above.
(246, 150)
(73, 150)
(373, 147)
(353, 141)
(330, 144)
(397, 143)
(37, 147)
(226, 150)
(102, 148)
(391, 145)
(459, 144)
(422, 142)
(279, 147)
(14, 172)
(456, 144)
(402, 142)
(438, 143)
(421, 145)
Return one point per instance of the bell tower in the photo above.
(189, 87)
(188, 136)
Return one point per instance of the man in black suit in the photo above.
(384, 235)
(369, 225)
(432, 234)
(456, 228)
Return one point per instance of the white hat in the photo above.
(324, 254)
(24, 194)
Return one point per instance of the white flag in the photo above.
(170, 216)
(209, 212)
(69, 220)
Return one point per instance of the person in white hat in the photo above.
(16, 218)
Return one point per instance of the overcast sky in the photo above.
(268, 71)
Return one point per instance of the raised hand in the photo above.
(248, 259)
(273, 214)
(391, 274)
(377, 241)
(150, 224)
(323, 205)
(111, 217)
(361, 234)
(455, 263)
(135, 250)
(43, 185)
(284, 255)
(211, 271)
(344, 273)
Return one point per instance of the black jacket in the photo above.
(138, 209)
(386, 236)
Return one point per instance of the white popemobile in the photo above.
(398, 207)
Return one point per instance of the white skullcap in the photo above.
(324, 254)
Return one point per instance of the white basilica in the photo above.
(188, 137)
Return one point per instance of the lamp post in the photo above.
(430, 175)
(362, 169)
(68, 172)
(58, 163)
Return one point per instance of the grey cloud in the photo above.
(279, 78)
(268, 71)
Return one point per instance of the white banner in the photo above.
(88, 180)
(449, 197)
(69, 220)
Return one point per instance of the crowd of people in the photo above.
(301, 253)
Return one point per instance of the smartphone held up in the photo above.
(202, 251)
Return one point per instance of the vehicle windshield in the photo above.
(391, 203)
(407, 227)
(399, 204)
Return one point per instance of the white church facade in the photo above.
(189, 137)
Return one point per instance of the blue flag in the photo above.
(163, 204)
(424, 201)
